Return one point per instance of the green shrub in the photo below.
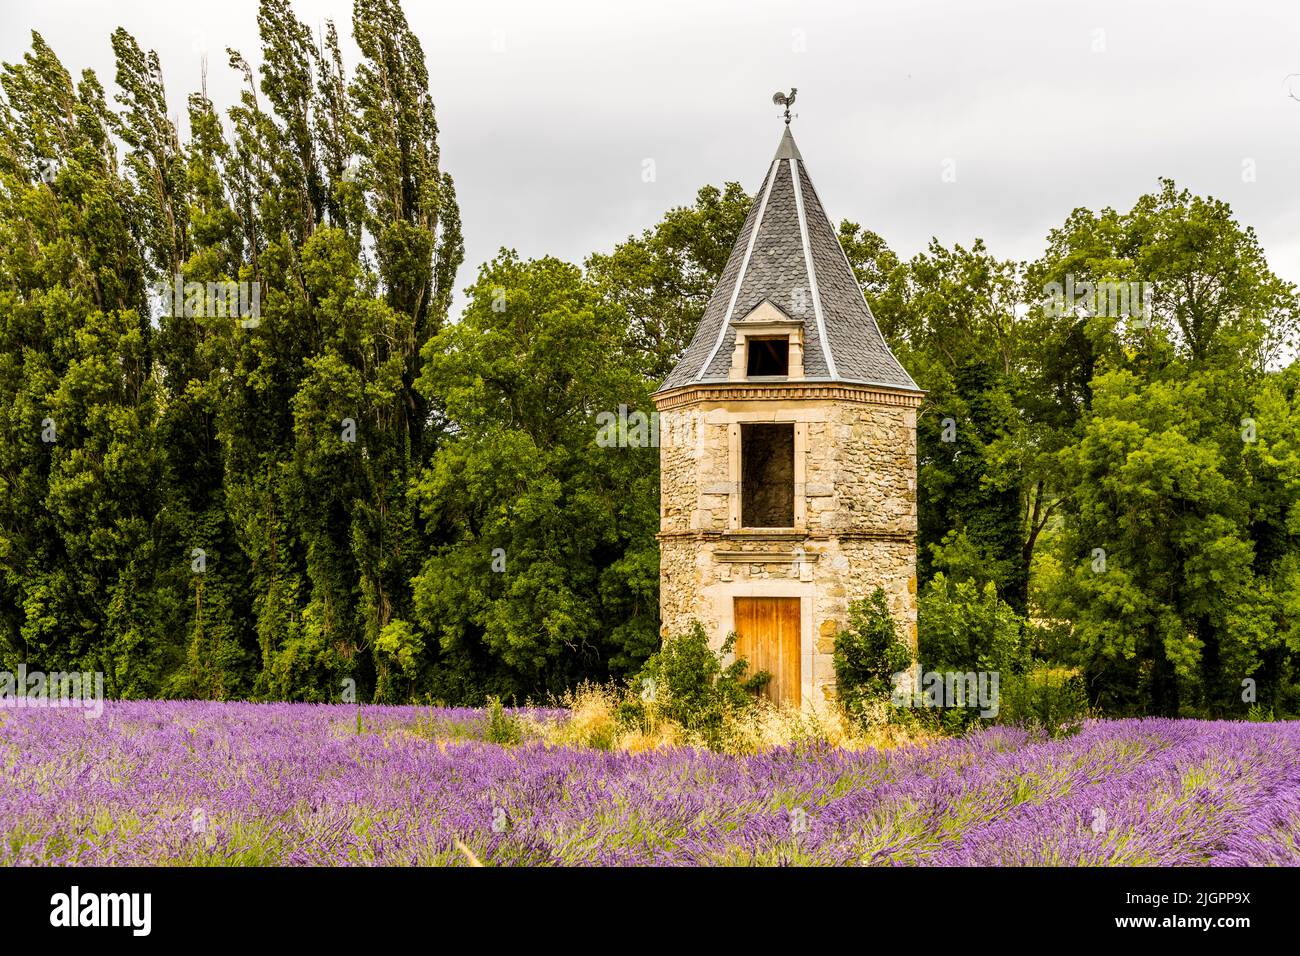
(868, 652)
(965, 628)
(502, 728)
(686, 681)
(1053, 699)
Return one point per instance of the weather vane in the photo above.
(780, 99)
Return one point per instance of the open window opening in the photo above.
(767, 476)
(768, 356)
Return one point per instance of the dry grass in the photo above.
(594, 722)
(768, 726)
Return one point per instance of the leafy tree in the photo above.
(1161, 584)
(1173, 602)
(950, 315)
(545, 569)
(193, 434)
(664, 277)
(80, 532)
(962, 627)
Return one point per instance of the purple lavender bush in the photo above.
(194, 783)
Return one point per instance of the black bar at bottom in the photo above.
(879, 906)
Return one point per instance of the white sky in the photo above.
(549, 110)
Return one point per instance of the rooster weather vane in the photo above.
(781, 99)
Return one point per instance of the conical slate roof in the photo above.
(788, 252)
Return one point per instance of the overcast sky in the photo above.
(550, 111)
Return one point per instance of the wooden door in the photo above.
(767, 636)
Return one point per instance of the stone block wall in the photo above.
(855, 513)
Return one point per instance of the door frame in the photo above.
(725, 614)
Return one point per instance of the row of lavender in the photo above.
(198, 783)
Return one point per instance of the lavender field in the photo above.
(293, 784)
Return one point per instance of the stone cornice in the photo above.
(785, 391)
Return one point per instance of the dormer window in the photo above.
(769, 345)
(768, 356)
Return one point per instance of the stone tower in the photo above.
(788, 450)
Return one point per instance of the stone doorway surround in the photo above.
(721, 596)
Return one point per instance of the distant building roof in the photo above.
(788, 252)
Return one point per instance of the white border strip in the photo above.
(740, 278)
(797, 183)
